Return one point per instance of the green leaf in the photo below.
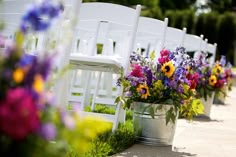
(151, 111)
(118, 99)
(152, 55)
(19, 38)
(169, 101)
(159, 107)
(167, 117)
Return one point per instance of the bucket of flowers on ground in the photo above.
(224, 75)
(30, 125)
(157, 91)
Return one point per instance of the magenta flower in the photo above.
(164, 56)
(136, 71)
(18, 114)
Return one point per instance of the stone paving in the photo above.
(214, 137)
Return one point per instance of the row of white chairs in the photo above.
(103, 39)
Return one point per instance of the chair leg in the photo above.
(96, 91)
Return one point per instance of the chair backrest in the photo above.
(150, 34)
(11, 12)
(174, 38)
(101, 23)
(211, 48)
(193, 43)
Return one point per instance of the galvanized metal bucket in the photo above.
(220, 98)
(207, 104)
(151, 131)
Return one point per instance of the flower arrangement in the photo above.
(30, 123)
(209, 79)
(161, 82)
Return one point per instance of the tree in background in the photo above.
(227, 35)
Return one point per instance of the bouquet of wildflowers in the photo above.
(161, 82)
(200, 76)
(207, 79)
(30, 125)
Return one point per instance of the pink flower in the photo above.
(164, 56)
(165, 52)
(220, 83)
(193, 79)
(136, 71)
(18, 114)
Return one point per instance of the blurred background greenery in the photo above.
(215, 19)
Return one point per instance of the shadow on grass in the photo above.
(203, 118)
(139, 150)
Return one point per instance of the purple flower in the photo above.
(223, 61)
(48, 131)
(68, 120)
(172, 84)
(180, 89)
(128, 94)
(149, 75)
(38, 17)
(27, 59)
(229, 65)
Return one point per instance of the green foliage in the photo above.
(210, 23)
(196, 107)
(221, 5)
(170, 14)
(199, 26)
(110, 142)
(227, 34)
(100, 108)
(176, 4)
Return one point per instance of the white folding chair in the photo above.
(150, 35)
(10, 14)
(105, 23)
(174, 38)
(211, 48)
(193, 44)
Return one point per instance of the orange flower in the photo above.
(18, 75)
(212, 80)
(38, 84)
(143, 89)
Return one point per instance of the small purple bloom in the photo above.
(173, 84)
(149, 75)
(223, 61)
(68, 121)
(48, 131)
(180, 89)
(128, 94)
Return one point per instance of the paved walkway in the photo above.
(215, 137)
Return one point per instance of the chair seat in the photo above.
(96, 63)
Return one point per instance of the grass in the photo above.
(111, 142)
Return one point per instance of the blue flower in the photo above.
(223, 61)
(38, 18)
(27, 60)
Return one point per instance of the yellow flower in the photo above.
(217, 69)
(168, 68)
(18, 75)
(38, 84)
(143, 89)
(212, 80)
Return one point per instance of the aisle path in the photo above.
(215, 137)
